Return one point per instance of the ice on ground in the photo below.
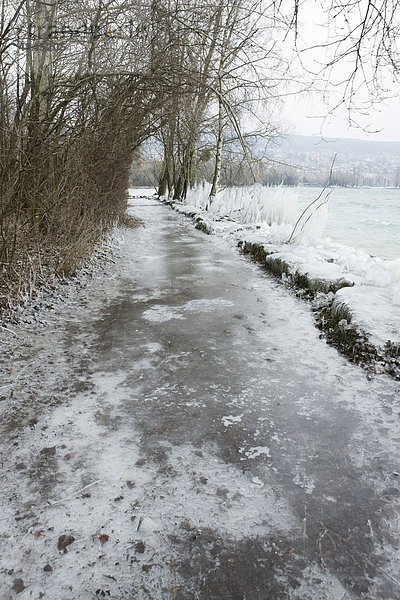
(304, 481)
(318, 584)
(374, 299)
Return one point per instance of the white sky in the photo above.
(308, 117)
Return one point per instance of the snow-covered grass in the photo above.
(267, 216)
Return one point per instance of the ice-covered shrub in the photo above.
(261, 205)
(252, 204)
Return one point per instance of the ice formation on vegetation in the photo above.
(275, 207)
(270, 215)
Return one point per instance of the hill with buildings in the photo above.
(307, 160)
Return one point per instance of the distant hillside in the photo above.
(308, 160)
(306, 143)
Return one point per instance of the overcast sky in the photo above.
(309, 115)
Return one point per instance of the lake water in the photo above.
(367, 218)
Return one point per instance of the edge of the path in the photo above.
(41, 293)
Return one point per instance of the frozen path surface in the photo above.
(177, 430)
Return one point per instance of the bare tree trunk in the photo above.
(166, 182)
(218, 154)
(163, 180)
(44, 14)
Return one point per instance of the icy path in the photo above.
(177, 430)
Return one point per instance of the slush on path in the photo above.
(176, 429)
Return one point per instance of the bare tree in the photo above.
(226, 56)
(359, 57)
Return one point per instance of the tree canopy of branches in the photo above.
(84, 82)
(356, 50)
(223, 55)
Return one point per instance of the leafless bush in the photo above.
(74, 106)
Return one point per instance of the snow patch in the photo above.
(141, 192)
(257, 481)
(231, 419)
(205, 305)
(256, 451)
(161, 314)
(305, 482)
(319, 584)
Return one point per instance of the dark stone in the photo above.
(64, 541)
(139, 547)
(49, 451)
(47, 568)
(18, 586)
